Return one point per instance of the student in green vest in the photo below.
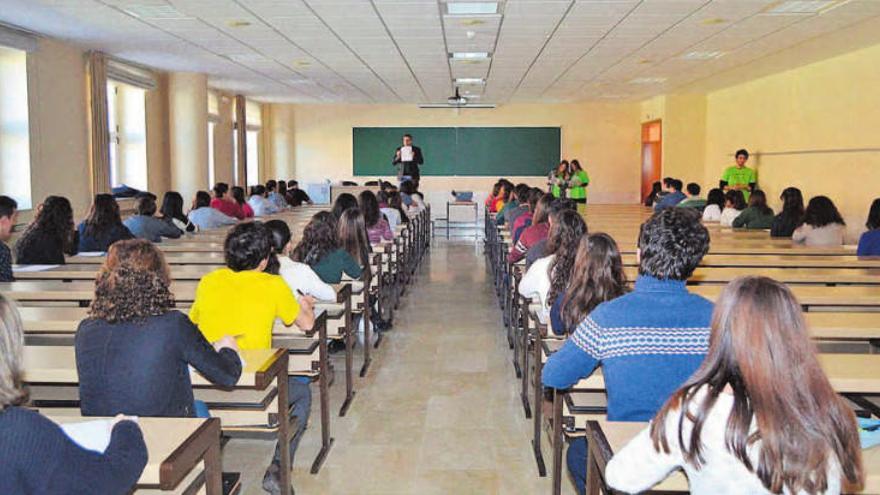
(578, 182)
(739, 177)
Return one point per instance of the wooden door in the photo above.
(652, 148)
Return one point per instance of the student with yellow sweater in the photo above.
(243, 300)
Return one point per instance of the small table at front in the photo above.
(175, 447)
(459, 204)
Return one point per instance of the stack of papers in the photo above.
(91, 435)
(32, 268)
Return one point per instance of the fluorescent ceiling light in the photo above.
(471, 8)
(648, 80)
(802, 7)
(702, 55)
(469, 80)
(247, 57)
(469, 56)
(164, 12)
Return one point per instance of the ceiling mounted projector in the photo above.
(456, 101)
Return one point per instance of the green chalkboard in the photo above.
(491, 151)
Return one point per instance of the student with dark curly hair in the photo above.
(103, 226)
(597, 276)
(649, 341)
(50, 235)
(822, 225)
(320, 248)
(242, 296)
(548, 277)
(38, 457)
(134, 349)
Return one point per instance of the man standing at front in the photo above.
(407, 159)
(739, 177)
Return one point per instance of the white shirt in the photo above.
(712, 213)
(536, 281)
(637, 467)
(261, 206)
(416, 207)
(728, 215)
(206, 218)
(301, 277)
(393, 217)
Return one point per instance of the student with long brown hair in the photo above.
(103, 226)
(758, 416)
(537, 231)
(548, 277)
(597, 276)
(50, 236)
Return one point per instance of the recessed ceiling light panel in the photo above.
(164, 12)
(648, 80)
(469, 56)
(702, 55)
(471, 8)
(802, 7)
(461, 81)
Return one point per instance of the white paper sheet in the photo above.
(91, 254)
(90, 435)
(406, 154)
(32, 268)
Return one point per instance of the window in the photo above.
(213, 120)
(254, 125)
(15, 154)
(127, 122)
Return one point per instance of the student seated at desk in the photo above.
(8, 215)
(596, 276)
(238, 196)
(38, 457)
(103, 226)
(224, 203)
(343, 202)
(734, 204)
(320, 249)
(538, 249)
(493, 197)
(791, 215)
(417, 205)
(757, 216)
(714, 204)
(869, 242)
(630, 336)
(505, 200)
(145, 225)
(298, 276)
(673, 195)
(396, 203)
(243, 297)
(523, 221)
(548, 277)
(204, 217)
(822, 225)
(693, 199)
(392, 215)
(172, 213)
(51, 235)
(274, 197)
(295, 195)
(134, 351)
(522, 193)
(761, 415)
(377, 227)
(537, 231)
(259, 203)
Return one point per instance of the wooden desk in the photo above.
(170, 258)
(81, 292)
(175, 449)
(803, 276)
(90, 271)
(812, 295)
(57, 366)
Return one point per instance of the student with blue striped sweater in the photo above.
(649, 341)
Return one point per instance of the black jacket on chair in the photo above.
(410, 168)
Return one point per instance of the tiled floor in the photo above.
(439, 411)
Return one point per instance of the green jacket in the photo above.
(698, 203)
(752, 218)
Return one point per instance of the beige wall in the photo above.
(59, 127)
(683, 126)
(818, 108)
(605, 137)
(187, 131)
(223, 144)
(158, 159)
